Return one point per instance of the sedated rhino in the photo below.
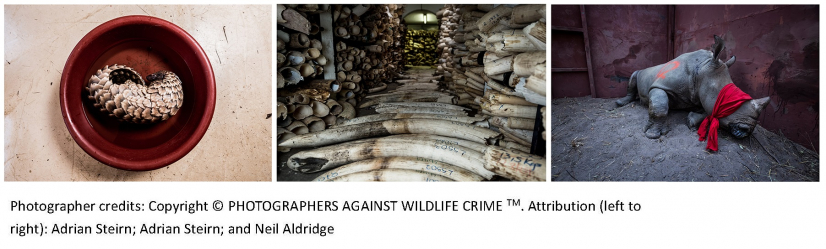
(699, 81)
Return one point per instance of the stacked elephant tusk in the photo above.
(307, 102)
(420, 48)
(470, 119)
(367, 66)
(417, 136)
(496, 56)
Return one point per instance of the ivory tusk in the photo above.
(280, 82)
(536, 34)
(306, 70)
(321, 60)
(474, 76)
(509, 110)
(500, 88)
(283, 134)
(391, 116)
(347, 112)
(326, 85)
(491, 19)
(348, 85)
(282, 59)
(524, 63)
(319, 109)
(508, 99)
(536, 85)
(515, 146)
(311, 53)
(409, 98)
(334, 106)
(286, 121)
(391, 175)
(530, 95)
(347, 94)
(426, 87)
(500, 66)
(361, 8)
(329, 120)
(422, 104)
(528, 13)
(302, 112)
(414, 109)
(315, 43)
(407, 163)
(379, 88)
(520, 123)
(500, 36)
(524, 137)
(281, 112)
(298, 98)
(391, 127)
(283, 36)
(328, 157)
(515, 43)
(409, 93)
(314, 124)
(295, 58)
(440, 141)
(515, 165)
(298, 128)
(280, 8)
(290, 75)
(355, 78)
(299, 40)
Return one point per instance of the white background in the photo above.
(673, 215)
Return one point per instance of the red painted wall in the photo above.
(777, 49)
(624, 39)
(569, 52)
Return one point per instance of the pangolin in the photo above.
(120, 91)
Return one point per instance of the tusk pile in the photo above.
(407, 163)
(391, 116)
(391, 127)
(329, 157)
(392, 175)
(515, 165)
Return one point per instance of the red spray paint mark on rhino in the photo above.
(665, 69)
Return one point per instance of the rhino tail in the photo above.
(632, 91)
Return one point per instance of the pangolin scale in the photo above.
(120, 91)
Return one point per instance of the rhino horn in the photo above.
(761, 103)
(717, 47)
(731, 61)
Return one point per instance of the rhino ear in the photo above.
(731, 61)
(717, 47)
(759, 104)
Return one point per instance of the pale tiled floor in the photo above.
(238, 144)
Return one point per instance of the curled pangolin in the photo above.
(115, 91)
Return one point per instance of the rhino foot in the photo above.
(654, 130)
(694, 119)
(624, 101)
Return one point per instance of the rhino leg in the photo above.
(632, 91)
(657, 111)
(695, 118)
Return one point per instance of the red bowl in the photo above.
(147, 44)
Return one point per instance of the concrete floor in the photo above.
(238, 144)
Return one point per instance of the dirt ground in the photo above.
(593, 140)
